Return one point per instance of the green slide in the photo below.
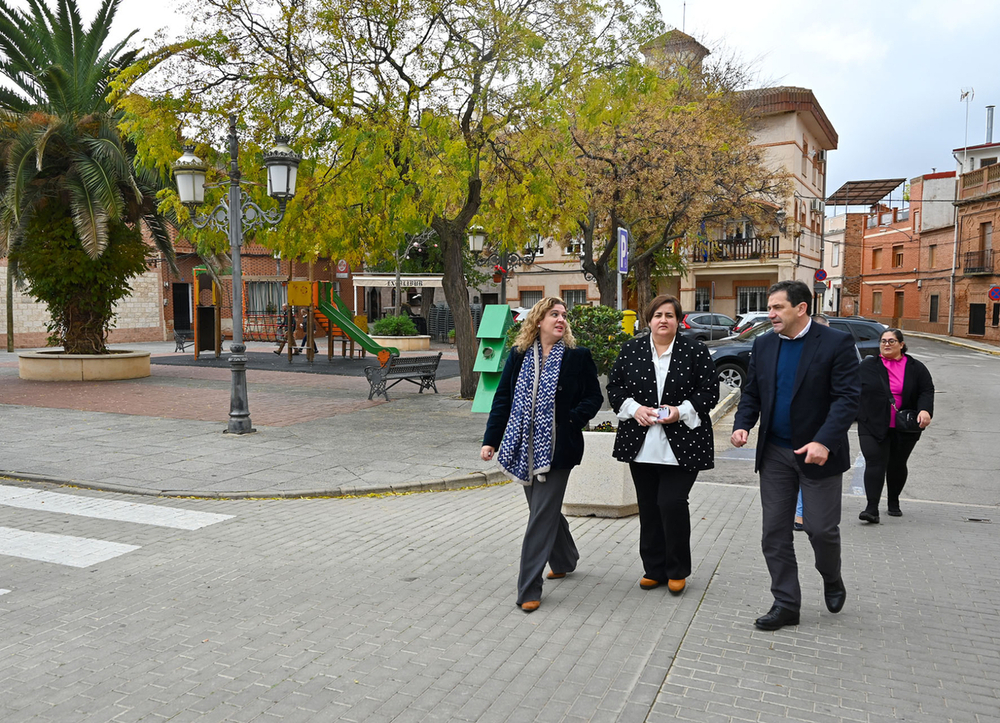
(342, 317)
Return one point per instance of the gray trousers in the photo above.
(780, 480)
(547, 539)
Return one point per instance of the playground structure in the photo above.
(330, 315)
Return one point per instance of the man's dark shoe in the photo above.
(894, 510)
(798, 526)
(835, 595)
(868, 516)
(777, 617)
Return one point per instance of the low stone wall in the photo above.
(51, 366)
(600, 486)
(405, 343)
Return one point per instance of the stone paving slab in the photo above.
(316, 435)
(919, 638)
(401, 609)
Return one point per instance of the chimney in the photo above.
(989, 124)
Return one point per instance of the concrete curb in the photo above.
(474, 479)
(723, 407)
(949, 340)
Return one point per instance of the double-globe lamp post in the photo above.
(233, 214)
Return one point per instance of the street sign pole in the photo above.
(622, 262)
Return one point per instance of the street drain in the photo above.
(976, 519)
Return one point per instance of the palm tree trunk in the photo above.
(83, 331)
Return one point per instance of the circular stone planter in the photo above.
(54, 366)
(405, 343)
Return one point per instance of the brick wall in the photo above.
(139, 317)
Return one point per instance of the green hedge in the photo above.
(599, 328)
(401, 325)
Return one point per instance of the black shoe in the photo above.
(798, 526)
(835, 595)
(894, 511)
(869, 516)
(777, 617)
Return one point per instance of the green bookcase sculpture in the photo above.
(491, 355)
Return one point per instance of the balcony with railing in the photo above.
(750, 249)
(978, 183)
(978, 262)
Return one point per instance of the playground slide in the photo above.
(347, 325)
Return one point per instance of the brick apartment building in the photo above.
(843, 237)
(978, 208)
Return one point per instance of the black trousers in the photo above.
(885, 464)
(664, 519)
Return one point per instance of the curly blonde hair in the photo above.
(529, 327)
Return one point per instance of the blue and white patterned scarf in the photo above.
(530, 436)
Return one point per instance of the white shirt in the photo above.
(656, 447)
(805, 330)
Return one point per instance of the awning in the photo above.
(863, 193)
(407, 281)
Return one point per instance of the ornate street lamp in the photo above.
(780, 217)
(233, 214)
(501, 262)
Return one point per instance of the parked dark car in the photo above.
(703, 326)
(732, 356)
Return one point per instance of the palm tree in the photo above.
(61, 156)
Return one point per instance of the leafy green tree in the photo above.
(409, 108)
(61, 155)
(56, 245)
(660, 148)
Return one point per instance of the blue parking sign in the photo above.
(622, 251)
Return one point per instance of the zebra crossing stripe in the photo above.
(59, 549)
(105, 509)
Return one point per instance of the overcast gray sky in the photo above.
(888, 73)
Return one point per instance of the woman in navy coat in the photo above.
(546, 395)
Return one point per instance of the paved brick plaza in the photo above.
(120, 607)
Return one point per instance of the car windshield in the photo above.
(755, 331)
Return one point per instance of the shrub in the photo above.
(401, 325)
(512, 331)
(599, 328)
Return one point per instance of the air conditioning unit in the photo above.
(821, 156)
(816, 205)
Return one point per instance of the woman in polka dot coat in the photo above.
(663, 387)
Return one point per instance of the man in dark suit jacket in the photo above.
(803, 387)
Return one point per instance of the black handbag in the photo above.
(906, 419)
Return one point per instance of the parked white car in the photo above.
(748, 320)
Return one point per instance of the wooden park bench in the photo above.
(183, 337)
(419, 370)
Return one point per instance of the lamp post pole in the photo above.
(239, 403)
(233, 214)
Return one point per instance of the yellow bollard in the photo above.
(628, 322)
